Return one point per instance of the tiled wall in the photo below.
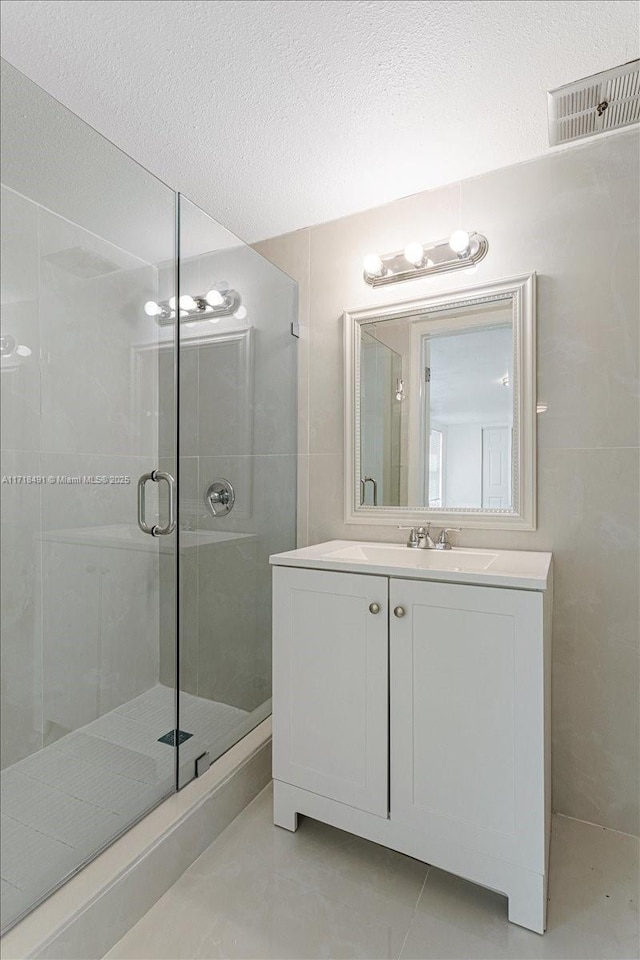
(573, 218)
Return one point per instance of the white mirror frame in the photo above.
(521, 292)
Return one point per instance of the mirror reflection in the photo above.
(436, 410)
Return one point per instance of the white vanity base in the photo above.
(527, 891)
(411, 706)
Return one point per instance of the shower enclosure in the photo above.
(148, 374)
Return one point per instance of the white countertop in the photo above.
(522, 569)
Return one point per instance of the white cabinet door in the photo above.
(330, 685)
(467, 717)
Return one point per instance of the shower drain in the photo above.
(170, 738)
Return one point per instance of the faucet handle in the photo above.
(413, 540)
(443, 540)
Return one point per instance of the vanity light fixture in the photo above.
(460, 242)
(460, 250)
(211, 306)
(399, 389)
(414, 253)
(373, 265)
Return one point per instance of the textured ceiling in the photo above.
(276, 114)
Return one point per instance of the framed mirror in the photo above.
(440, 412)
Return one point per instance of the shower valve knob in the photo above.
(220, 498)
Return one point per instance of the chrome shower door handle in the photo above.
(155, 530)
(142, 523)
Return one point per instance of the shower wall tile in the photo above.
(291, 253)
(71, 505)
(270, 384)
(228, 615)
(20, 381)
(129, 625)
(572, 217)
(101, 604)
(92, 328)
(19, 232)
(265, 496)
(275, 388)
(20, 625)
(71, 637)
(224, 395)
(234, 577)
(240, 472)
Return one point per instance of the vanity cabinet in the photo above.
(331, 670)
(415, 713)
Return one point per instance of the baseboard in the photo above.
(90, 913)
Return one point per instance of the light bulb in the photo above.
(240, 313)
(152, 309)
(373, 265)
(214, 298)
(187, 302)
(172, 302)
(414, 253)
(459, 241)
(23, 351)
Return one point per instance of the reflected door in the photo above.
(496, 467)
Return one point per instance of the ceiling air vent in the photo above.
(605, 101)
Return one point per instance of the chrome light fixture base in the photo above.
(200, 309)
(438, 258)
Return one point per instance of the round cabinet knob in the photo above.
(374, 608)
(399, 612)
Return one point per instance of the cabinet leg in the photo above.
(284, 815)
(528, 902)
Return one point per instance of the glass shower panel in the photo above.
(87, 715)
(237, 447)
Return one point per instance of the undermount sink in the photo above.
(523, 569)
(389, 554)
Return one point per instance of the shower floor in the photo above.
(62, 804)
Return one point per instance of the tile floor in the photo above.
(259, 891)
(63, 803)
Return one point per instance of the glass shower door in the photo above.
(237, 466)
(88, 638)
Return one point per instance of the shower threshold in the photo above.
(64, 804)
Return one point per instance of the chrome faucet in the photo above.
(443, 542)
(419, 538)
